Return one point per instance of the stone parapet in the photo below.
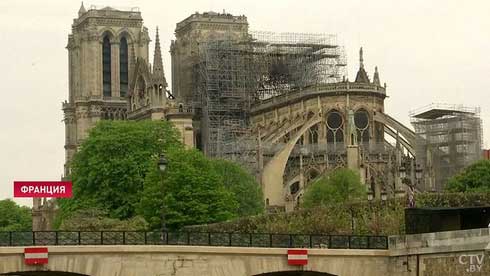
(211, 16)
(310, 92)
(430, 243)
(129, 13)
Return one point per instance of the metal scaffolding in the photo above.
(234, 74)
(449, 138)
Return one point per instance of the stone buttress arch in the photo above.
(295, 123)
(277, 127)
(272, 175)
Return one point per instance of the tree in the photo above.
(14, 217)
(116, 177)
(190, 190)
(475, 178)
(110, 168)
(340, 186)
(243, 185)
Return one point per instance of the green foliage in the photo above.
(109, 170)
(116, 178)
(14, 217)
(370, 218)
(341, 185)
(94, 219)
(475, 178)
(375, 218)
(193, 192)
(243, 185)
(453, 199)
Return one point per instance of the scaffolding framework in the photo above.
(232, 75)
(449, 138)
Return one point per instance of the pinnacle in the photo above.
(157, 56)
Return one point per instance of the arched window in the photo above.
(106, 67)
(313, 134)
(123, 67)
(361, 119)
(312, 174)
(294, 188)
(335, 127)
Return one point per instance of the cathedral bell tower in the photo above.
(102, 52)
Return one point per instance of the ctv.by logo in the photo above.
(474, 263)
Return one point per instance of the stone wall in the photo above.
(456, 253)
(452, 253)
(191, 261)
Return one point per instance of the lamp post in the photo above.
(370, 195)
(403, 172)
(384, 195)
(351, 209)
(162, 166)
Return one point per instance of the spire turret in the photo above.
(362, 76)
(157, 56)
(82, 10)
(361, 59)
(157, 72)
(376, 77)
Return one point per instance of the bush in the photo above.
(340, 186)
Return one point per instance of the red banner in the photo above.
(297, 257)
(42, 189)
(36, 255)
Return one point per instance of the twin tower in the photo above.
(111, 78)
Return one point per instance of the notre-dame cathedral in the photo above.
(111, 78)
(279, 104)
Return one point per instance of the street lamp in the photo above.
(384, 195)
(351, 209)
(403, 172)
(162, 163)
(370, 195)
(162, 166)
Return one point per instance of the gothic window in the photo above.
(335, 125)
(313, 174)
(361, 120)
(294, 188)
(301, 140)
(313, 134)
(123, 67)
(106, 67)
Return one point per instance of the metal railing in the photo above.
(54, 238)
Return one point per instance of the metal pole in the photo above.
(163, 205)
(352, 219)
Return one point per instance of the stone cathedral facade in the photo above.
(110, 76)
(275, 104)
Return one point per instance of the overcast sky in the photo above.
(426, 52)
